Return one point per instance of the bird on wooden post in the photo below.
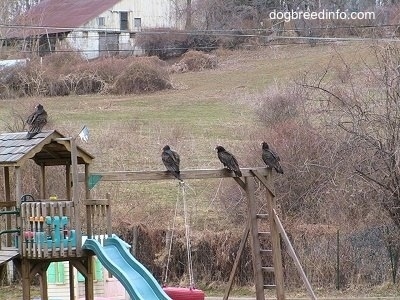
(171, 160)
(228, 160)
(271, 158)
(36, 121)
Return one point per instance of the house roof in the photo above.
(47, 148)
(56, 16)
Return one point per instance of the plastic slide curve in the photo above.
(136, 279)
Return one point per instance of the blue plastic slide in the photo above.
(137, 280)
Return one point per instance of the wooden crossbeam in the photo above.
(165, 175)
(263, 180)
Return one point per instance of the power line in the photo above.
(198, 31)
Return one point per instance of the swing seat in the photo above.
(178, 293)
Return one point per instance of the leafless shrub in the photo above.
(60, 75)
(279, 104)
(141, 77)
(195, 61)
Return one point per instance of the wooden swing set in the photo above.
(37, 232)
(276, 231)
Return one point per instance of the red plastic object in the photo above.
(178, 293)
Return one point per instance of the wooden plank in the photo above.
(71, 281)
(42, 182)
(45, 230)
(165, 175)
(236, 262)
(26, 279)
(68, 181)
(75, 194)
(255, 242)
(264, 181)
(275, 242)
(240, 182)
(7, 195)
(109, 215)
(293, 255)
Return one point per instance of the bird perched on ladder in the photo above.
(271, 158)
(228, 160)
(36, 121)
(171, 160)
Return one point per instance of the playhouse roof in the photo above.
(54, 16)
(45, 148)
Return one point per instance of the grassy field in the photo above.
(204, 109)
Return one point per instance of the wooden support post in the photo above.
(109, 216)
(42, 182)
(68, 181)
(236, 263)
(87, 190)
(18, 194)
(18, 185)
(26, 279)
(43, 280)
(7, 197)
(75, 196)
(255, 242)
(89, 291)
(276, 245)
(71, 281)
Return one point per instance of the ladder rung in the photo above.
(269, 286)
(268, 269)
(262, 216)
(264, 232)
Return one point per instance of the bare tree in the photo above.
(367, 109)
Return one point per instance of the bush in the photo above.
(65, 74)
(195, 61)
(141, 76)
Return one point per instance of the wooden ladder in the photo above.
(267, 260)
(267, 253)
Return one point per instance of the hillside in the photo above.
(229, 106)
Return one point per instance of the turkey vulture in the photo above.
(228, 160)
(36, 121)
(171, 161)
(271, 158)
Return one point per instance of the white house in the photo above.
(94, 27)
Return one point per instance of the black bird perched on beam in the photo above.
(171, 161)
(36, 121)
(271, 158)
(229, 161)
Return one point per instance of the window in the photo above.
(55, 273)
(137, 22)
(101, 21)
(123, 20)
